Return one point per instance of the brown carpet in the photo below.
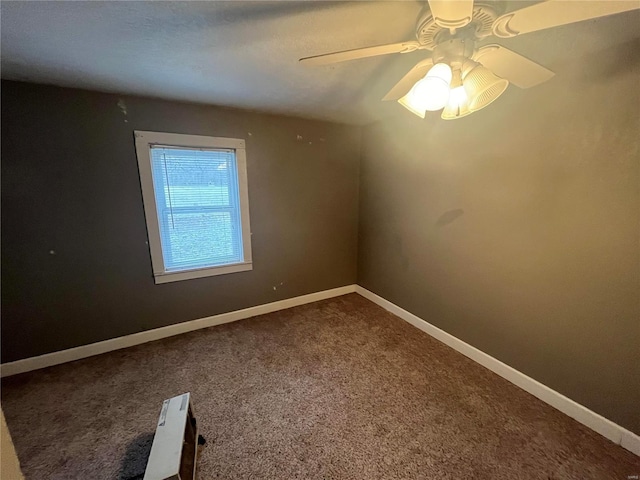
(338, 389)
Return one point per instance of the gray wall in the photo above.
(70, 185)
(516, 229)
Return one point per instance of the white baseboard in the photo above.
(594, 421)
(63, 356)
(630, 441)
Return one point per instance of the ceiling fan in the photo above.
(459, 77)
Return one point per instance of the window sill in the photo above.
(202, 272)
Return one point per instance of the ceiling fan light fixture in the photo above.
(429, 93)
(483, 87)
(452, 30)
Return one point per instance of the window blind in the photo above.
(198, 206)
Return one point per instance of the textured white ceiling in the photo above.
(245, 54)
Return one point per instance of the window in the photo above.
(196, 204)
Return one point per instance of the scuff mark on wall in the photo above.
(123, 108)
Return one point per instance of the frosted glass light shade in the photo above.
(441, 71)
(430, 93)
(458, 104)
(410, 105)
(483, 87)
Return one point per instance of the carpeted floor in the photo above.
(338, 389)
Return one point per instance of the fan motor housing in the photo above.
(430, 34)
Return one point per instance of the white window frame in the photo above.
(144, 141)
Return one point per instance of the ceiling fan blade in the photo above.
(553, 13)
(401, 88)
(512, 66)
(403, 47)
(451, 13)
